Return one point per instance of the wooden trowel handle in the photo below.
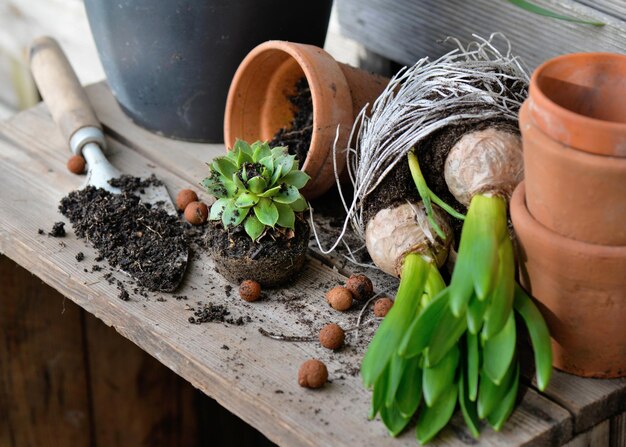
(60, 88)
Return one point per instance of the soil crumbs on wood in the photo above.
(146, 242)
(297, 137)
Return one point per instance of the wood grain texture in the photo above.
(43, 386)
(255, 377)
(597, 436)
(618, 431)
(589, 400)
(411, 29)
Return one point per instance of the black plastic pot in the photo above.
(169, 63)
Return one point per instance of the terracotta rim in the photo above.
(591, 134)
(520, 209)
(342, 113)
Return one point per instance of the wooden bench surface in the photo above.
(251, 375)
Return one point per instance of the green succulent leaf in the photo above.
(257, 185)
(215, 187)
(246, 200)
(268, 162)
(300, 204)
(270, 192)
(225, 166)
(286, 216)
(254, 228)
(242, 146)
(296, 178)
(261, 151)
(287, 195)
(217, 208)
(266, 212)
(280, 150)
(276, 175)
(238, 183)
(286, 162)
(232, 215)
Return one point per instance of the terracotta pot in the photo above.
(579, 100)
(257, 105)
(579, 195)
(581, 291)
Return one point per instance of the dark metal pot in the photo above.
(169, 63)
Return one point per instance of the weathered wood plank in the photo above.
(597, 436)
(618, 431)
(408, 30)
(255, 377)
(136, 401)
(43, 386)
(589, 400)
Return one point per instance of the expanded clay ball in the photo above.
(361, 287)
(76, 164)
(312, 374)
(382, 306)
(339, 298)
(196, 213)
(184, 198)
(332, 336)
(250, 290)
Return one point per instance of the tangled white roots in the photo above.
(476, 82)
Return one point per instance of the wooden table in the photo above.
(251, 375)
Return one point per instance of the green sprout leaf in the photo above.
(536, 9)
(270, 192)
(261, 151)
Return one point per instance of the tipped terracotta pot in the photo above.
(574, 135)
(258, 105)
(581, 291)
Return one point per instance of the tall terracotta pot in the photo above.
(581, 291)
(257, 105)
(574, 134)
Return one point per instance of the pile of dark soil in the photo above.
(297, 137)
(210, 313)
(140, 239)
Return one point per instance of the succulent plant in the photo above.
(257, 187)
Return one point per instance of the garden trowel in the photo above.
(72, 112)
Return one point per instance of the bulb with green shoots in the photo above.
(256, 186)
(457, 116)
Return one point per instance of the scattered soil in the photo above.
(141, 239)
(58, 230)
(80, 256)
(276, 258)
(210, 313)
(297, 136)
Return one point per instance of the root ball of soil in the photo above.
(312, 374)
(76, 164)
(332, 336)
(361, 287)
(274, 259)
(339, 298)
(196, 213)
(184, 198)
(250, 290)
(382, 306)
